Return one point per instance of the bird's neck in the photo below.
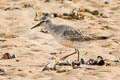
(50, 26)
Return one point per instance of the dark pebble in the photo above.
(20, 70)
(54, 53)
(17, 60)
(95, 12)
(82, 61)
(106, 2)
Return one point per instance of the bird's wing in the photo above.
(80, 35)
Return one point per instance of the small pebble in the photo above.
(82, 61)
(47, 1)
(54, 53)
(106, 2)
(95, 12)
(20, 70)
(30, 71)
(17, 60)
(13, 56)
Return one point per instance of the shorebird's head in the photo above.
(44, 21)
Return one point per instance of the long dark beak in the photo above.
(37, 25)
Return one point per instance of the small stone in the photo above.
(13, 56)
(20, 70)
(95, 12)
(82, 61)
(30, 71)
(17, 60)
(54, 53)
(99, 61)
(106, 2)
(47, 1)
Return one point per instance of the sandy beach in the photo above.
(32, 48)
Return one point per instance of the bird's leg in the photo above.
(78, 54)
(63, 58)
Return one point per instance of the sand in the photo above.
(32, 47)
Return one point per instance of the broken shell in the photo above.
(50, 66)
(2, 71)
(75, 11)
(90, 62)
(8, 56)
(101, 63)
(54, 14)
